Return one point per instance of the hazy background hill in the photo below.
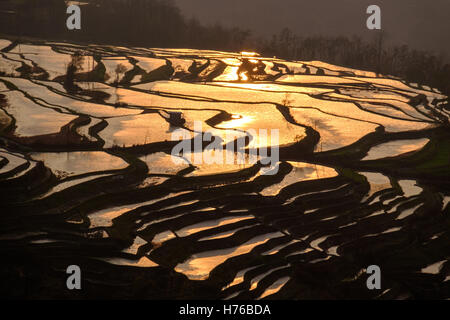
(420, 24)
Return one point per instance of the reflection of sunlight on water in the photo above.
(239, 278)
(133, 249)
(244, 76)
(249, 54)
(200, 265)
(446, 202)
(236, 122)
(254, 282)
(274, 287)
(69, 183)
(408, 212)
(227, 161)
(143, 262)
(410, 188)
(161, 162)
(271, 87)
(300, 172)
(103, 218)
(232, 62)
(276, 249)
(433, 268)
(163, 237)
(395, 148)
(377, 182)
(230, 74)
(80, 162)
(224, 234)
(191, 229)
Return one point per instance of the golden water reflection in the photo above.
(198, 266)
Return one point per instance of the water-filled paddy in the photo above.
(75, 163)
(362, 172)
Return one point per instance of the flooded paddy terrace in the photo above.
(86, 177)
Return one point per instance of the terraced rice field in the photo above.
(87, 178)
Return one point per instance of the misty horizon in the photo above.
(414, 23)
